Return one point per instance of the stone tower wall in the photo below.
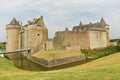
(108, 37)
(34, 38)
(98, 39)
(12, 37)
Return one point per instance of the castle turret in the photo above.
(12, 39)
(102, 21)
(66, 29)
(107, 27)
(80, 23)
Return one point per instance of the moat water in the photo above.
(23, 63)
(1, 50)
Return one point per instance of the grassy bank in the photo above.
(105, 68)
(55, 54)
(2, 45)
(97, 53)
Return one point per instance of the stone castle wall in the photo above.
(49, 44)
(34, 35)
(65, 39)
(115, 43)
(98, 39)
(89, 39)
(34, 38)
(57, 62)
(12, 38)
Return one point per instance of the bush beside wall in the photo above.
(97, 53)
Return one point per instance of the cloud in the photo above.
(59, 14)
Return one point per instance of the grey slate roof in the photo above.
(66, 29)
(99, 25)
(14, 22)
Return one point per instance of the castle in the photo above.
(34, 36)
(31, 36)
(88, 36)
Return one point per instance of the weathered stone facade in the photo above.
(88, 36)
(34, 35)
(57, 62)
(65, 39)
(31, 36)
(12, 37)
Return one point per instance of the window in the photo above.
(38, 34)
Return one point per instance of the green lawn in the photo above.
(2, 45)
(55, 54)
(106, 68)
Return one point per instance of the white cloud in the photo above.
(61, 13)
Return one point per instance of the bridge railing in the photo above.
(15, 51)
(10, 52)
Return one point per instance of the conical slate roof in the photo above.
(66, 29)
(80, 23)
(14, 22)
(102, 21)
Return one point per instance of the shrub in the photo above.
(97, 53)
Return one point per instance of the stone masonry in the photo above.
(88, 36)
(34, 35)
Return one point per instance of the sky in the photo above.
(59, 14)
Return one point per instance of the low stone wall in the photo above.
(113, 43)
(56, 62)
(73, 48)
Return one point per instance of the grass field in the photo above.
(2, 45)
(55, 54)
(106, 68)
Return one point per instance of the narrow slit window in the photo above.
(38, 34)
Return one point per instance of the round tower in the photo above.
(12, 36)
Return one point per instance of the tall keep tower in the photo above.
(12, 38)
(34, 35)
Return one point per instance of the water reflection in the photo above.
(1, 50)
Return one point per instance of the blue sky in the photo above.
(59, 14)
